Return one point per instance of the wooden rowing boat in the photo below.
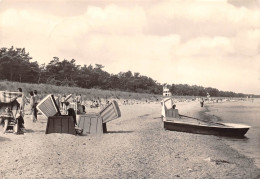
(174, 121)
(199, 127)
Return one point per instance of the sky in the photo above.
(210, 43)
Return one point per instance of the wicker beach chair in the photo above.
(168, 110)
(96, 123)
(48, 106)
(56, 123)
(8, 100)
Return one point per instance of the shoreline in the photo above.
(243, 146)
(136, 146)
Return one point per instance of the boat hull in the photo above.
(228, 131)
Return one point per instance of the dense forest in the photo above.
(16, 65)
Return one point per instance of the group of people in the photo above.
(96, 103)
(32, 101)
(64, 101)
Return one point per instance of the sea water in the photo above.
(245, 112)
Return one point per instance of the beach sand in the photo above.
(136, 146)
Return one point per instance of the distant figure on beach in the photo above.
(62, 101)
(79, 99)
(201, 102)
(35, 103)
(208, 97)
(251, 99)
(65, 107)
(96, 103)
(32, 106)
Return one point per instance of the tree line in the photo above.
(16, 65)
(194, 90)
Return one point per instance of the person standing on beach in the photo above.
(22, 101)
(201, 102)
(35, 103)
(99, 101)
(63, 101)
(32, 106)
(79, 99)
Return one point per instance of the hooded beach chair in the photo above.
(8, 100)
(56, 123)
(95, 123)
(48, 106)
(168, 110)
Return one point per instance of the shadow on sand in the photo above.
(34, 131)
(233, 138)
(145, 115)
(119, 132)
(2, 139)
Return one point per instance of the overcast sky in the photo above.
(212, 43)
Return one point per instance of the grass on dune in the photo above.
(88, 94)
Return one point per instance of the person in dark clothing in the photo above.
(72, 113)
(84, 108)
(201, 102)
(35, 104)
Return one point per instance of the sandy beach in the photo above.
(136, 146)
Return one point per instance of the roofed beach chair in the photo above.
(9, 108)
(56, 123)
(90, 123)
(110, 112)
(95, 123)
(48, 106)
(168, 110)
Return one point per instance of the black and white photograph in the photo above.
(130, 89)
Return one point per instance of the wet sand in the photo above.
(136, 146)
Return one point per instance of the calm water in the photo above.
(242, 112)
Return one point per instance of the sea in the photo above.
(245, 112)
